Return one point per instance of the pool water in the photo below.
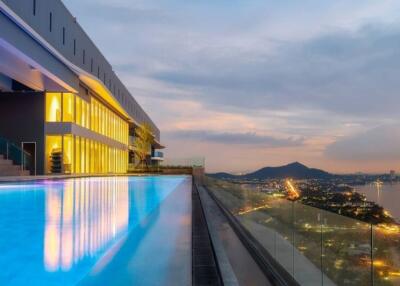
(57, 232)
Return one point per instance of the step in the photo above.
(14, 173)
(10, 167)
(5, 162)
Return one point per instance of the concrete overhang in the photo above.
(157, 145)
(91, 81)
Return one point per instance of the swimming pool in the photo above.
(88, 230)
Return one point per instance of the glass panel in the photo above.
(282, 211)
(92, 155)
(386, 265)
(68, 154)
(92, 115)
(83, 156)
(68, 107)
(53, 154)
(308, 245)
(87, 160)
(53, 107)
(78, 157)
(79, 111)
(88, 115)
(346, 250)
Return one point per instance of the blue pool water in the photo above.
(58, 232)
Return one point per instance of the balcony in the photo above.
(157, 156)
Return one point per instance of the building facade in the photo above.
(60, 99)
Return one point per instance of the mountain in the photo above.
(294, 170)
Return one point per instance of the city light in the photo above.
(293, 193)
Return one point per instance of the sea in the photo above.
(386, 195)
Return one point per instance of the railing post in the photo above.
(372, 254)
(7, 151)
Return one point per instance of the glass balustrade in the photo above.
(11, 151)
(314, 246)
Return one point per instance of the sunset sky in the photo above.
(253, 83)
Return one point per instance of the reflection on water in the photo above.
(80, 222)
(386, 195)
(59, 230)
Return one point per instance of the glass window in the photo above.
(53, 107)
(87, 115)
(79, 111)
(53, 154)
(68, 107)
(78, 156)
(87, 160)
(92, 155)
(68, 154)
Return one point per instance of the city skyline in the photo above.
(260, 83)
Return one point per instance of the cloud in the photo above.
(380, 143)
(319, 70)
(229, 138)
(342, 72)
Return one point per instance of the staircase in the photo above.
(7, 168)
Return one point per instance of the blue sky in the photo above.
(255, 83)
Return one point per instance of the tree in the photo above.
(142, 144)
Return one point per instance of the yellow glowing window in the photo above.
(92, 115)
(87, 155)
(68, 107)
(83, 155)
(92, 155)
(79, 111)
(53, 154)
(83, 113)
(87, 115)
(53, 107)
(78, 156)
(68, 154)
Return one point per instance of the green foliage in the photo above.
(142, 144)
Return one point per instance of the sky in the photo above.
(254, 83)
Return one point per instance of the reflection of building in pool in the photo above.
(83, 219)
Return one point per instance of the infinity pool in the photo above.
(96, 231)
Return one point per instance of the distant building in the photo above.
(392, 174)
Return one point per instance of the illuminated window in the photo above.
(68, 154)
(92, 155)
(87, 115)
(53, 107)
(83, 156)
(79, 111)
(53, 154)
(78, 156)
(68, 107)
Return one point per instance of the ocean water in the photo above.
(386, 195)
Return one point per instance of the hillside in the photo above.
(294, 170)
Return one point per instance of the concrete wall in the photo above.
(22, 120)
(76, 46)
(12, 36)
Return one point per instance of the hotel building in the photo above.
(60, 100)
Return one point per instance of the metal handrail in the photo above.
(12, 152)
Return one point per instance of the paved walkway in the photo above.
(237, 266)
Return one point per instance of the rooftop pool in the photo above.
(96, 231)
